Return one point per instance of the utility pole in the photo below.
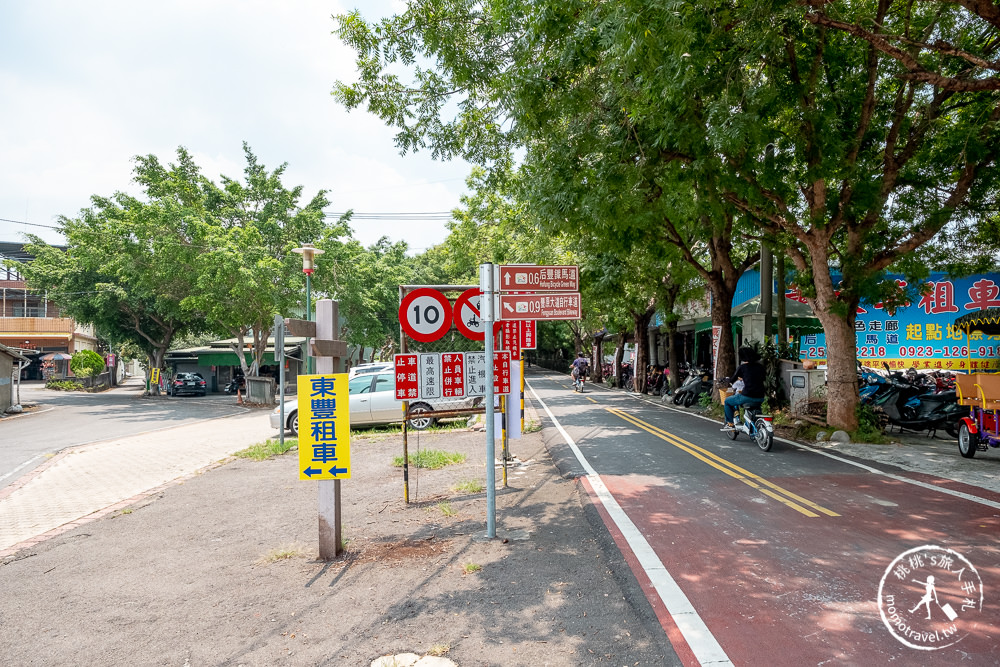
(766, 270)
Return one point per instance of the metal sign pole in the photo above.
(486, 313)
(279, 356)
(403, 349)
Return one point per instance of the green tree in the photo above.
(654, 121)
(365, 282)
(126, 269)
(244, 271)
(542, 78)
(872, 156)
(86, 363)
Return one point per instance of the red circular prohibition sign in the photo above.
(465, 301)
(425, 314)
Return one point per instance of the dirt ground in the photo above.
(222, 570)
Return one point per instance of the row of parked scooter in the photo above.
(911, 400)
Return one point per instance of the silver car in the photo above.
(372, 400)
(375, 367)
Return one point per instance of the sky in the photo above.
(87, 86)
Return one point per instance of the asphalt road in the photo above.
(67, 419)
(781, 558)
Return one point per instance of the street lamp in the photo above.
(308, 252)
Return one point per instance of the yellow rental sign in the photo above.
(324, 427)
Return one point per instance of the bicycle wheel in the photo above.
(763, 436)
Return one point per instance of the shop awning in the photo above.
(213, 356)
(987, 321)
(798, 316)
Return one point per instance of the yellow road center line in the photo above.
(591, 400)
(728, 467)
(774, 486)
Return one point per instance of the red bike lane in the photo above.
(780, 582)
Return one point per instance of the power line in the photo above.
(428, 216)
(32, 224)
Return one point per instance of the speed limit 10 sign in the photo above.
(425, 314)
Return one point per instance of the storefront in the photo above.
(218, 363)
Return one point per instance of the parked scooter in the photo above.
(911, 407)
(698, 382)
(236, 384)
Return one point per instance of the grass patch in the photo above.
(388, 430)
(432, 459)
(712, 408)
(265, 450)
(808, 432)
(438, 650)
(282, 553)
(447, 509)
(470, 568)
(469, 486)
(64, 385)
(869, 436)
(532, 426)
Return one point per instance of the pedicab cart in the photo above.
(979, 391)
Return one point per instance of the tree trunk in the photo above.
(722, 299)
(155, 361)
(597, 359)
(673, 362)
(619, 355)
(237, 349)
(829, 305)
(642, 346)
(841, 371)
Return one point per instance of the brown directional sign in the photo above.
(531, 278)
(303, 328)
(540, 306)
(328, 348)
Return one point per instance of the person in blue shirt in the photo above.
(580, 367)
(752, 372)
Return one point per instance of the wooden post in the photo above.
(326, 351)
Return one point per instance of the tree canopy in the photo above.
(844, 134)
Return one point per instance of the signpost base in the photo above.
(330, 543)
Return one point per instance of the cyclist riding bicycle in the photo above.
(580, 367)
(751, 371)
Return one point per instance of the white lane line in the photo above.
(703, 644)
(900, 478)
(856, 464)
(23, 465)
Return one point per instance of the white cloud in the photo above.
(87, 86)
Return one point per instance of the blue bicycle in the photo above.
(758, 427)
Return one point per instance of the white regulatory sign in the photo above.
(476, 373)
(429, 372)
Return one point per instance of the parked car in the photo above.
(372, 400)
(367, 369)
(187, 383)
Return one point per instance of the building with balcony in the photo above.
(33, 325)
